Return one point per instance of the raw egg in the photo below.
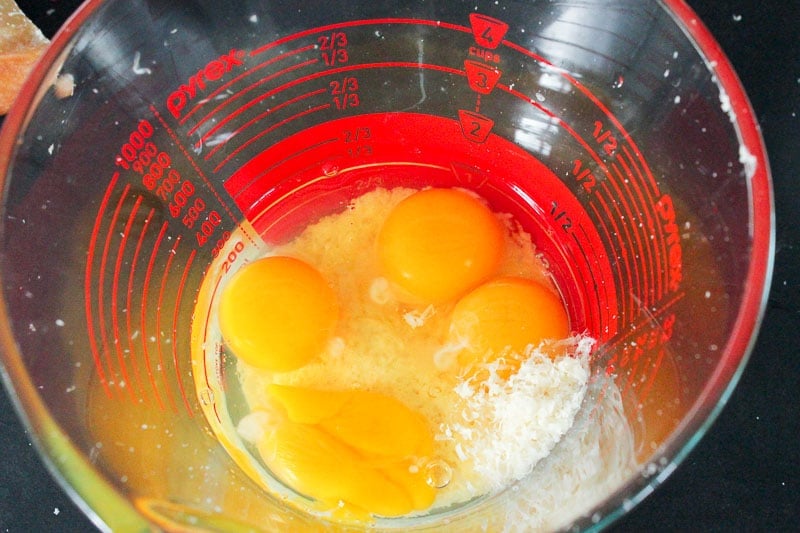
(503, 317)
(358, 447)
(439, 243)
(277, 313)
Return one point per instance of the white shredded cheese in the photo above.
(507, 426)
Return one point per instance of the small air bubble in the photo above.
(330, 170)
(207, 396)
(438, 474)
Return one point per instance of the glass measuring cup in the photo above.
(645, 164)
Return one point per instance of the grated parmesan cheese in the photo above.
(505, 427)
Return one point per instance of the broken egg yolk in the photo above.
(503, 317)
(362, 449)
(439, 243)
(277, 313)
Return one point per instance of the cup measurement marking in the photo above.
(132, 380)
(213, 95)
(635, 177)
(607, 215)
(143, 310)
(253, 121)
(88, 278)
(481, 27)
(130, 336)
(175, 315)
(629, 149)
(101, 287)
(655, 283)
(313, 92)
(267, 131)
(239, 110)
(239, 183)
(608, 143)
(601, 135)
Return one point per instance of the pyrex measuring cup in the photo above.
(198, 133)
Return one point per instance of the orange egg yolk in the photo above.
(364, 449)
(277, 313)
(439, 243)
(502, 318)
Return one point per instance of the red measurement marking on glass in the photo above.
(627, 251)
(666, 327)
(497, 33)
(267, 131)
(592, 255)
(134, 289)
(654, 265)
(608, 140)
(204, 345)
(634, 347)
(487, 31)
(482, 78)
(641, 234)
(263, 96)
(158, 327)
(653, 194)
(345, 93)
(175, 318)
(624, 278)
(101, 284)
(197, 169)
(241, 109)
(118, 344)
(334, 48)
(259, 118)
(143, 313)
(613, 198)
(299, 158)
(647, 177)
(475, 126)
(88, 282)
(249, 72)
(584, 176)
(328, 73)
(356, 23)
(635, 172)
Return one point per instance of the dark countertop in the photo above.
(744, 475)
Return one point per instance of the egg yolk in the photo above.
(357, 447)
(502, 318)
(439, 243)
(277, 313)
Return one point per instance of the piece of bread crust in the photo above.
(21, 44)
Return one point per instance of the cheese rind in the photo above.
(21, 45)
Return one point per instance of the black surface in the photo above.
(743, 476)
